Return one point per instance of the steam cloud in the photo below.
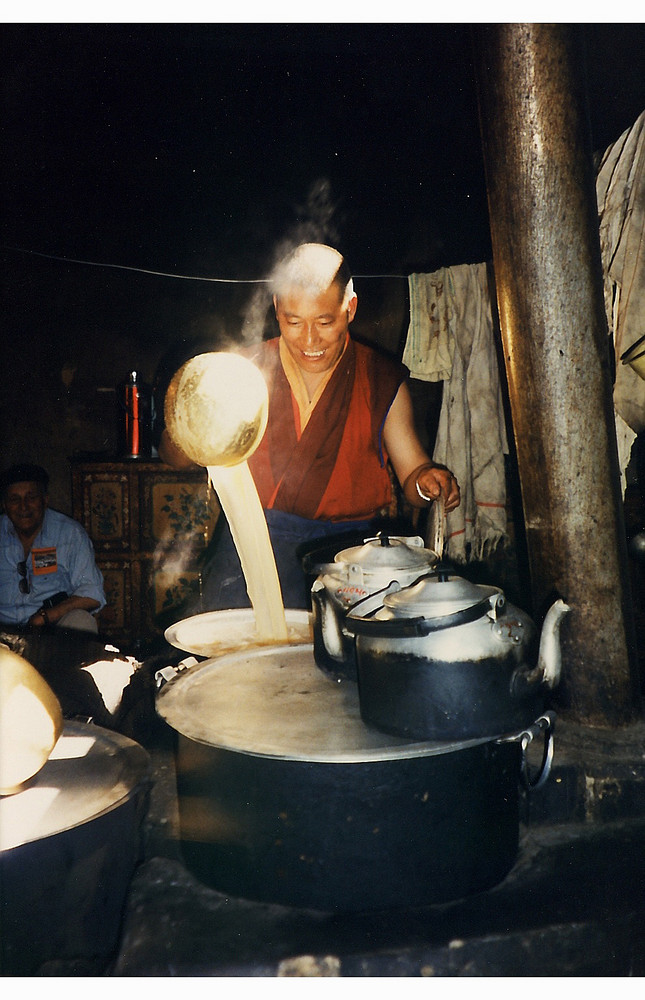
(315, 225)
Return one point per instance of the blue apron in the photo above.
(223, 584)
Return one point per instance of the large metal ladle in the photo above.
(216, 411)
(216, 408)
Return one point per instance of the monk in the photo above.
(338, 412)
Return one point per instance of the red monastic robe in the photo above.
(336, 468)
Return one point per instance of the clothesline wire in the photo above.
(165, 274)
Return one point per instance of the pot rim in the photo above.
(93, 771)
(279, 727)
(228, 628)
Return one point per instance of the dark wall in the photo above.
(73, 332)
(199, 148)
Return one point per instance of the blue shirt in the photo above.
(61, 558)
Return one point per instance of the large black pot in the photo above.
(69, 843)
(286, 797)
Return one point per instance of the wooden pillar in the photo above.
(546, 255)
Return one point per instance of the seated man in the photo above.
(48, 575)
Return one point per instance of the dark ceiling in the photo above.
(197, 148)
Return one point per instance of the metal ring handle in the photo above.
(166, 674)
(544, 725)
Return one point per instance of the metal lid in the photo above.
(214, 633)
(90, 772)
(436, 595)
(392, 552)
(274, 701)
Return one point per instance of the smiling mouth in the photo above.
(313, 354)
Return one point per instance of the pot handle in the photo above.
(166, 674)
(544, 726)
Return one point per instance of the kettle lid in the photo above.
(436, 595)
(385, 551)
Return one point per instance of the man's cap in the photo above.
(24, 472)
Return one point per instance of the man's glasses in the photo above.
(24, 582)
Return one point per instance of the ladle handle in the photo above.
(436, 526)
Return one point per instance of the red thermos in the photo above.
(135, 430)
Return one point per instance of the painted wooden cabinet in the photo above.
(150, 526)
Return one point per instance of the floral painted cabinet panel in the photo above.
(175, 512)
(150, 526)
(106, 511)
(177, 520)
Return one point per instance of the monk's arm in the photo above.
(421, 479)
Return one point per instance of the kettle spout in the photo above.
(549, 658)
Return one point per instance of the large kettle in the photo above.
(358, 572)
(448, 659)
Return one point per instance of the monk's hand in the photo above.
(433, 481)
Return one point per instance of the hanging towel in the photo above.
(625, 438)
(471, 437)
(430, 343)
(620, 192)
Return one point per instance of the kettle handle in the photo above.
(399, 628)
(373, 602)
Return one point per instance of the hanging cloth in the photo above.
(620, 192)
(471, 436)
(430, 342)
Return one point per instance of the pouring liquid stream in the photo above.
(216, 411)
(240, 502)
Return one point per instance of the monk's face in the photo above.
(314, 327)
